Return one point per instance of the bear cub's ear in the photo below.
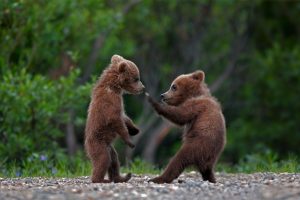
(122, 67)
(115, 59)
(198, 75)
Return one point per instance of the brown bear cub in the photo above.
(106, 118)
(189, 103)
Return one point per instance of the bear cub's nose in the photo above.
(162, 96)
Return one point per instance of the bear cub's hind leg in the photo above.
(114, 168)
(100, 161)
(176, 166)
(208, 175)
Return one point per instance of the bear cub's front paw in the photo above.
(155, 104)
(133, 131)
(149, 98)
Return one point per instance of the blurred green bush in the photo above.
(268, 115)
(32, 108)
(260, 39)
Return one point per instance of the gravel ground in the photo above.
(190, 186)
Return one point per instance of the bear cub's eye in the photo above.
(136, 79)
(173, 87)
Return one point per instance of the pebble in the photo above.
(188, 186)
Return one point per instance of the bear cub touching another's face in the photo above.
(189, 103)
(107, 119)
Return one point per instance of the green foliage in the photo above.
(263, 114)
(267, 161)
(62, 166)
(269, 116)
(32, 108)
(47, 165)
(139, 166)
(35, 33)
(166, 38)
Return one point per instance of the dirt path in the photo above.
(229, 186)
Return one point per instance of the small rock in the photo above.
(76, 190)
(143, 195)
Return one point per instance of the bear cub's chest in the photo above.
(188, 130)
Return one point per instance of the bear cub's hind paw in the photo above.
(158, 180)
(121, 179)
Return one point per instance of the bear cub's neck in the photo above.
(109, 81)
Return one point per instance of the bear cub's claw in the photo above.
(130, 144)
(149, 98)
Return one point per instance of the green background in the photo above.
(51, 53)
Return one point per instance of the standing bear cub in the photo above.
(189, 103)
(106, 118)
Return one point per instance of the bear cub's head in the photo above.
(128, 75)
(184, 87)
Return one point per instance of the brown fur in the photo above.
(106, 118)
(190, 104)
